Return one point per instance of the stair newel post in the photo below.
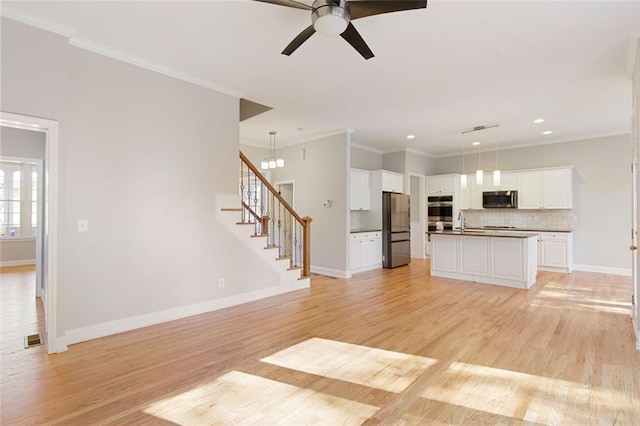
(306, 247)
(242, 213)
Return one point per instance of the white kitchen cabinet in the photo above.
(545, 189)
(474, 255)
(441, 184)
(508, 181)
(557, 189)
(530, 190)
(392, 182)
(365, 249)
(360, 190)
(471, 197)
(555, 251)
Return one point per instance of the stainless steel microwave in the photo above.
(500, 199)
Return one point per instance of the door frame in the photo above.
(421, 212)
(39, 167)
(293, 190)
(50, 220)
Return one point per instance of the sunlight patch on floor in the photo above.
(524, 396)
(238, 397)
(376, 368)
(547, 299)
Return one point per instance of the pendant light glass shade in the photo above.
(463, 181)
(496, 178)
(479, 177)
(272, 162)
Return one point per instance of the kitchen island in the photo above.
(483, 256)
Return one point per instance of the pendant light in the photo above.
(272, 162)
(496, 172)
(479, 172)
(463, 176)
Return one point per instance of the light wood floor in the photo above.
(388, 346)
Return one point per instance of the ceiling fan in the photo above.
(334, 17)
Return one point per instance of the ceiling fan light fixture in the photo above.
(329, 18)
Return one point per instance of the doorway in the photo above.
(286, 190)
(47, 266)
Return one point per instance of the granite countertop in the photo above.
(487, 233)
(357, 231)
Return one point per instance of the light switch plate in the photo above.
(83, 225)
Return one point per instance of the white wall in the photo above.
(601, 192)
(322, 175)
(23, 144)
(142, 157)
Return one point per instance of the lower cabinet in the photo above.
(555, 251)
(365, 250)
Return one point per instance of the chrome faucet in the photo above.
(463, 220)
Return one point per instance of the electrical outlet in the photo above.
(83, 225)
(220, 282)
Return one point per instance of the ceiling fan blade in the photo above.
(363, 8)
(352, 36)
(297, 42)
(287, 3)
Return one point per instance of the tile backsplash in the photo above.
(556, 220)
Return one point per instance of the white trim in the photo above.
(89, 45)
(365, 268)
(415, 151)
(95, 331)
(51, 170)
(21, 262)
(366, 148)
(336, 273)
(16, 239)
(43, 24)
(603, 269)
(152, 66)
(539, 143)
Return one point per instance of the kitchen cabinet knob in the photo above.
(632, 247)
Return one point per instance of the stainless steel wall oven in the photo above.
(440, 209)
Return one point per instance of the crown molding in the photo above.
(103, 50)
(534, 144)
(415, 151)
(366, 148)
(43, 24)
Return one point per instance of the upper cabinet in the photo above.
(392, 182)
(441, 184)
(360, 190)
(546, 189)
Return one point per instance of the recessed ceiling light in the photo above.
(547, 132)
(538, 120)
(476, 143)
(411, 136)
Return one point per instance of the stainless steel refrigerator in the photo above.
(396, 238)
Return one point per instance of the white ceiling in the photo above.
(437, 71)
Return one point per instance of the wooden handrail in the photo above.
(271, 189)
(251, 212)
(305, 222)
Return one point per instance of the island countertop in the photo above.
(486, 233)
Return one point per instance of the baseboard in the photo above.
(330, 272)
(603, 270)
(22, 262)
(365, 268)
(95, 331)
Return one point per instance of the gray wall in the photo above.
(601, 191)
(142, 157)
(322, 175)
(24, 144)
(254, 153)
(420, 164)
(395, 162)
(365, 159)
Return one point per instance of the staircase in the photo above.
(269, 226)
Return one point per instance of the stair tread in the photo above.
(231, 209)
(293, 268)
(271, 247)
(259, 236)
(245, 223)
(284, 258)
